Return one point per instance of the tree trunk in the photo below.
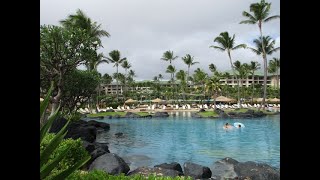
(234, 74)
(252, 95)
(278, 85)
(239, 79)
(264, 55)
(117, 85)
(56, 99)
(188, 75)
(125, 85)
(214, 101)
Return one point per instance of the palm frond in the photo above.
(273, 50)
(255, 51)
(271, 18)
(248, 22)
(240, 46)
(248, 15)
(219, 48)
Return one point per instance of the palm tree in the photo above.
(82, 21)
(115, 58)
(181, 75)
(274, 66)
(254, 66)
(267, 50)
(260, 15)
(160, 77)
(213, 85)
(227, 44)
(168, 56)
(188, 60)
(213, 68)
(126, 66)
(131, 74)
(243, 70)
(200, 77)
(172, 70)
(94, 62)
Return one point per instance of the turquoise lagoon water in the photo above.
(181, 138)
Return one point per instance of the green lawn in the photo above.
(142, 113)
(245, 110)
(208, 114)
(239, 110)
(115, 113)
(107, 114)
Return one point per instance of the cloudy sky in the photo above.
(142, 30)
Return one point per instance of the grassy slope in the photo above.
(212, 113)
(115, 113)
(208, 113)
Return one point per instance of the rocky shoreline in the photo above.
(103, 159)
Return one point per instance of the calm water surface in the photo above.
(181, 138)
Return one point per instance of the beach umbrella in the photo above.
(274, 100)
(224, 99)
(130, 101)
(157, 100)
(259, 99)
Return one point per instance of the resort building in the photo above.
(145, 85)
(247, 82)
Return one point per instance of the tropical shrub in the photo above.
(75, 154)
(51, 156)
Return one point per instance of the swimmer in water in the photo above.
(227, 126)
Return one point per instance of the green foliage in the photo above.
(50, 160)
(98, 174)
(114, 105)
(73, 116)
(79, 86)
(75, 153)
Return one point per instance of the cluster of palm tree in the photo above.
(264, 45)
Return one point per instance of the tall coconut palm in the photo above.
(160, 77)
(189, 60)
(115, 57)
(81, 20)
(226, 43)
(169, 56)
(260, 15)
(243, 70)
(92, 65)
(212, 68)
(200, 77)
(268, 44)
(181, 75)
(172, 70)
(131, 75)
(95, 62)
(213, 85)
(253, 66)
(274, 67)
(126, 65)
